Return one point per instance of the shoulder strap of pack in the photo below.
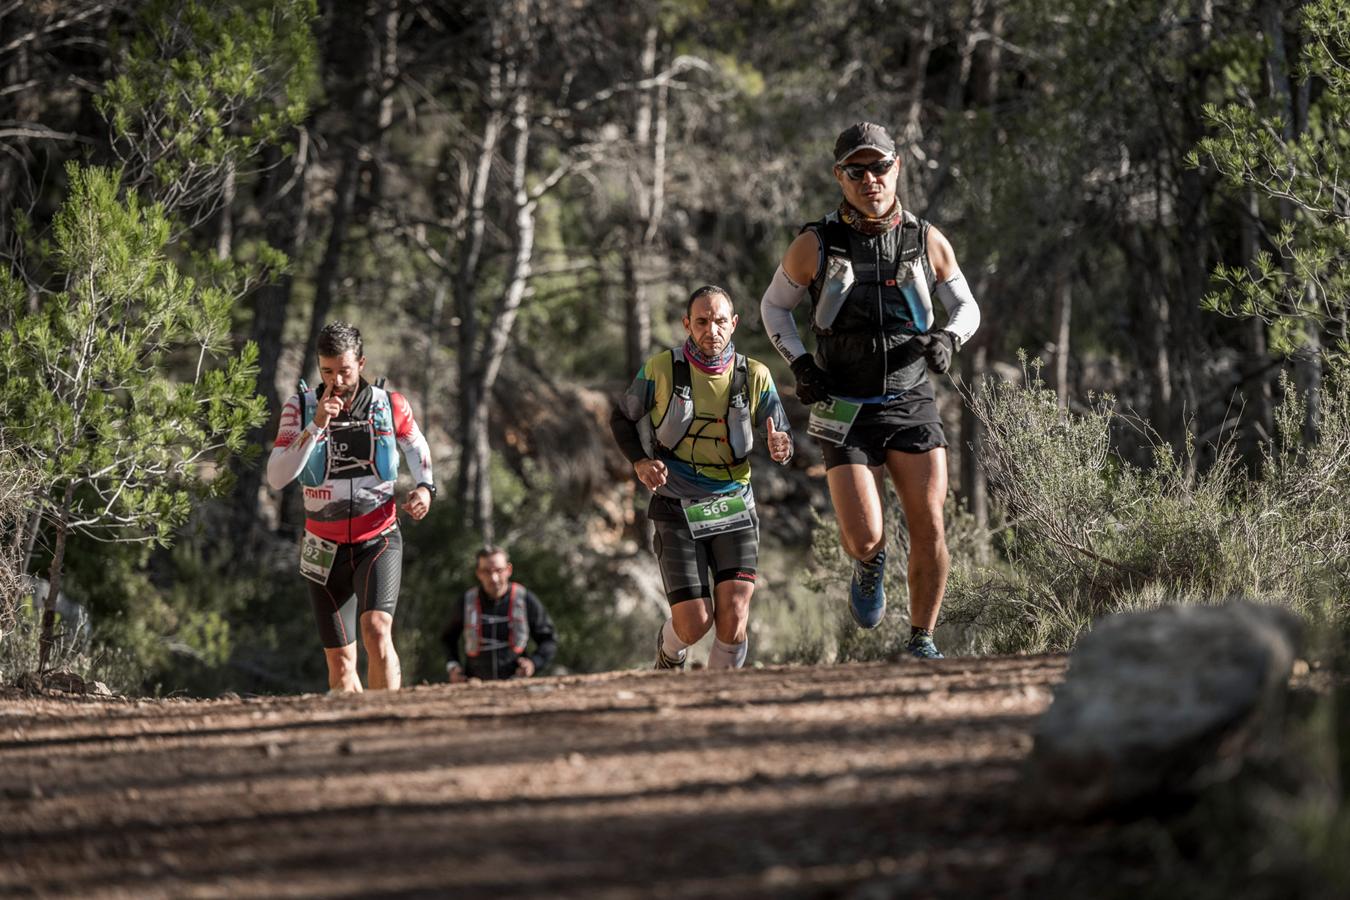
(679, 372)
(740, 381)
(679, 377)
(379, 382)
(913, 237)
(834, 235)
(519, 616)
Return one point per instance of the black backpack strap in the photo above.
(680, 379)
(913, 237)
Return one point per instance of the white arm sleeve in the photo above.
(410, 439)
(776, 308)
(418, 455)
(963, 314)
(292, 448)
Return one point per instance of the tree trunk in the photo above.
(1063, 316)
(637, 311)
(1261, 397)
(974, 484)
(915, 81)
(366, 127)
(430, 369)
(46, 637)
(326, 280)
(286, 228)
(225, 223)
(498, 335)
(1293, 113)
(30, 534)
(637, 305)
(11, 168)
(1308, 376)
(466, 283)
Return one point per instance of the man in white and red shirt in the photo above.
(341, 442)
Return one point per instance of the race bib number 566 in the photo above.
(717, 515)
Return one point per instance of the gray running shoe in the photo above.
(662, 660)
(921, 646)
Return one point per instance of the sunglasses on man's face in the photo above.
(855, 171)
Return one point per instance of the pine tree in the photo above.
(86, 395)
(1298, 159)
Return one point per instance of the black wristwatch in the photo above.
(431, 488)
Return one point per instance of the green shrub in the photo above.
(16, 482)
(1086, 533)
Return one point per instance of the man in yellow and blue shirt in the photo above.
(687, 425)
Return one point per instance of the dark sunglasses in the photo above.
(855, 171)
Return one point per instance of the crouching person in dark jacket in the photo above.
(497, 620)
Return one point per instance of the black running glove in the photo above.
(938, 351)
(811, 378)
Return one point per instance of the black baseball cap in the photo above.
(862, 136)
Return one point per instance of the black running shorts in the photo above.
(910, 423)
(685, 562)
(364, 577)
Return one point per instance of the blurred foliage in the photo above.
(1088, 533)
(595, 633)
(200, 90)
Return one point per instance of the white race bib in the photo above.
(717, 515)
(316, 558)
(831, 419)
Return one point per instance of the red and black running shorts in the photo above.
(364, 577)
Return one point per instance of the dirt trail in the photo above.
(851, 780)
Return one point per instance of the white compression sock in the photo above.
(727, 656)
(670, 641)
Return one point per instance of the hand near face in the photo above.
(329, 406)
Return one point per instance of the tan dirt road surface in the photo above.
(872, 780)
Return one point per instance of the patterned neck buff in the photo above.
(866, 224)
(713, 366)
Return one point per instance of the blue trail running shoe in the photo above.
(866, 594)
(921, 646)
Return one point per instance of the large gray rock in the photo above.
(1164, 701)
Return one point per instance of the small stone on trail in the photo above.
(849, 782)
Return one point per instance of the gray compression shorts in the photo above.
(685, 562)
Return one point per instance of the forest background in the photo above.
(512, 200)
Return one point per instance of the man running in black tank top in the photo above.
(872, 270)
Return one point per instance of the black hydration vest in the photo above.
(870, 298)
